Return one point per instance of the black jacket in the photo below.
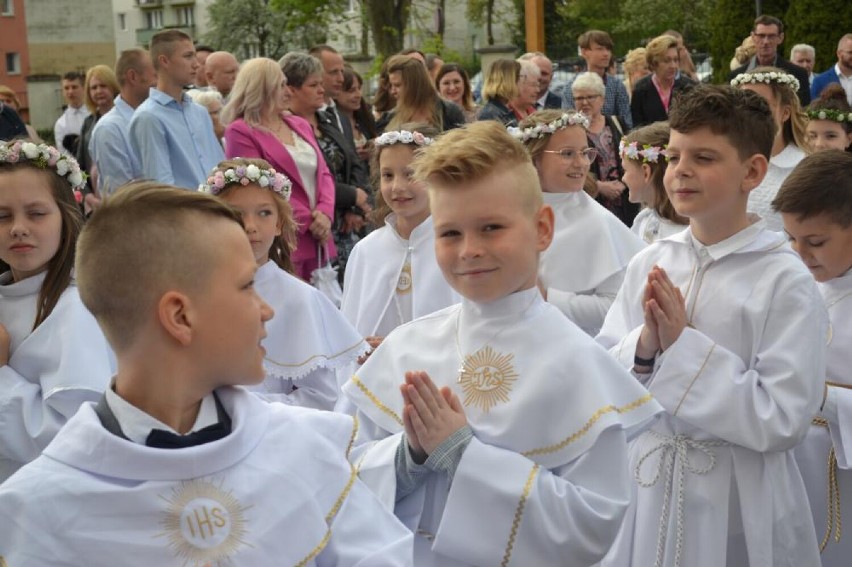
(496, 110)
(354, 172)
(646, 106)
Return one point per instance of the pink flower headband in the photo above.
(243, 175)
(44, 157)
(539, 130)
(648, 153)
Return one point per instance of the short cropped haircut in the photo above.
(501, 82)
(318, 50)
(298, 67)
(742, 116)
(820, 185)
(74, 76)
(163, 43)
(465, 155)
(589, 81)
(205, 48)
(656, 50)
(802, 48)
(766, 20)
(146, 239)
(130, 59)
(595, 36)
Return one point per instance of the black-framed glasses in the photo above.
(589, 154)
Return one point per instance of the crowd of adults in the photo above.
(174, 112)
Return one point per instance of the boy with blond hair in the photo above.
(725, 327)
(496, 429)
(174, 463)
(815, 203)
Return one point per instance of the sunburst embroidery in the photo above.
(486, 378)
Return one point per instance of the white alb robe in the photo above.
(760, 198)
(812, 454)
(583, 267)
(64, 362)
(740, 386)
(650, 227)
(277, 491)
(373, 272)
(308, 341)
(544, 479)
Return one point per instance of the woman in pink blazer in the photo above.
(259, 127)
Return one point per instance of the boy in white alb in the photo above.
(726, 328)
(815, 203)
(175, 465)
(506, 443)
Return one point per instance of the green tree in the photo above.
(646, 19)
(820, 24)
(388, 20)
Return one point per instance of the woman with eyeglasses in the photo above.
(654, 95)
(604, 133)
(581, 271)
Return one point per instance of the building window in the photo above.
(154, 19)
(7, 7)
(350, 43)
(13, 63)
(186, 16)
(122, 22)
(353, 7)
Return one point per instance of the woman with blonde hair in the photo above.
(654, 95)
(499, 90)
(100, 89)
(743, 53)
(635, 67)
(257, 125)
(791, 141)
(417, 99)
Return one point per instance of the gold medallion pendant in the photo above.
(403, 284)
(486, 378)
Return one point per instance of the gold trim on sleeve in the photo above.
(372, 397)
(310, 358)
(585, 429)
(694, 378)
(519, 514)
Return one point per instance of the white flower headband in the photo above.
(648, 153)
(539, 130)
(243, 175)
(767, 78)
(403, 137)
(44, 156)
(830, 114)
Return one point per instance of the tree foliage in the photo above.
(649, 18)
(269, 28)
(820, 24)
(388, 20)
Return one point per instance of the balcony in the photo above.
(149, 3)
(144, 35)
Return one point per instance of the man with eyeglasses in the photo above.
(768, 35)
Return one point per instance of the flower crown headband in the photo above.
(539, 130)
(830, 114)
(44, 157)
(403, 137)
(648, 153)
(778, 77)
(243, 175)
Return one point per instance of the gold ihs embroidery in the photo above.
(403, 284)
(486, 378)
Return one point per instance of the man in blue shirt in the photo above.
(109, 145)
(171, 135)
(596, 48)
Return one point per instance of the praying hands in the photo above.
(430, 415)
(665, 314)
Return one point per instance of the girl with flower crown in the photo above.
(393, 276)
(307, 340)
(53, 355)
(790, 146)
(830, 120)
(581, 271)
(643, 154)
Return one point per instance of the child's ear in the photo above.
(756, 167)
(646, 172)
(544, 221)
(176, 316)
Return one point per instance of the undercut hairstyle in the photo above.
(255, 91)
(656, 135)
(418, 96)
(833, 97)
(742, 116)
(129, 60)
(657, 48)
(58, 273)
(143, 241)
(766, 20)
(74, 76)
(467, 94)
(105, 75)
(595, 36)
(163, 44)
(501, 82)
(283, 244)
(820, 185)
(298, 67)
(478, 150)
(794, 129)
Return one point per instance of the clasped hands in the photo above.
(665, 314)
(320, 227)
(429, 415)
